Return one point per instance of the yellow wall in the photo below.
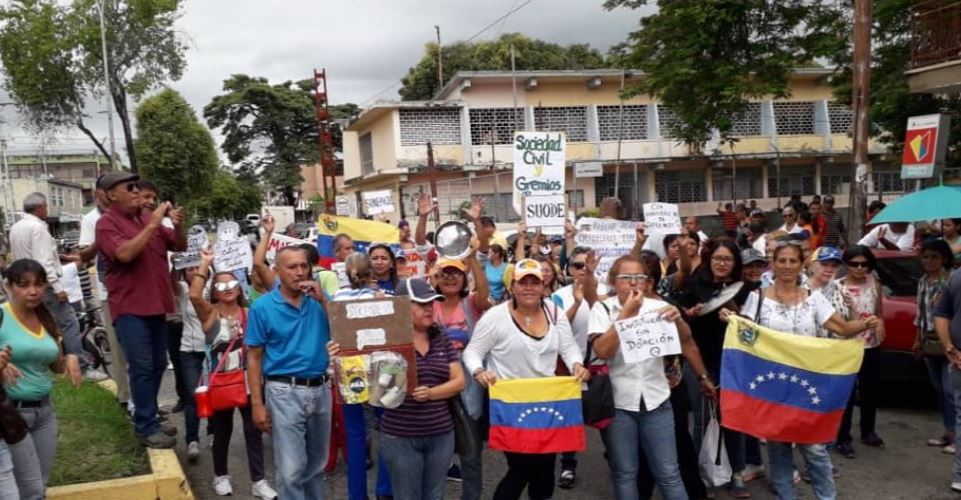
(351, 155)
(384, 136)
(576, 94)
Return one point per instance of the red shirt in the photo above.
(141, 287)
(729, 221)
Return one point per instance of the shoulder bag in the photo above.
(598, 400)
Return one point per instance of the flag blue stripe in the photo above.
(782, 384)
(540, 415)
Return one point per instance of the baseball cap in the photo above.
(757, 212)
(828, 198)
(750, 256)
(527, 267)
(823, 254)
(418, 290)
(111, 179)
(444, 262)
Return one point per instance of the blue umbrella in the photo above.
(941, 202)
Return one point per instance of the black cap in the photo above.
(110, 180)
(418, 290)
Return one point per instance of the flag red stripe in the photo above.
(554, 440)
(777, 422)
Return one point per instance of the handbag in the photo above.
(465, 442)
(224, 390)
(713, 461)
(597, 401)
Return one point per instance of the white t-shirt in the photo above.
(631, 381)
(193, 339)
(88, 228)
(904, 241)
(581, 318)
(800, 319)
(794, 230)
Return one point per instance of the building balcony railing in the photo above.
(935, 32)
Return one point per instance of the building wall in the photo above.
(61, 199)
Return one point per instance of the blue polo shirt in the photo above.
(294, 339)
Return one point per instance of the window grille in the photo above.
(498, 120)
(887, 178)
(748, 122)
(793, 178)
(634, 125)
(835, 183)
(434, 125)
(569, 119)
(366, 154)
(668, 120)
(840, 117)
(680, 186)
(794, 118)
(749, 183)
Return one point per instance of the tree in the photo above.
(53, 58)
(177, 151)
(232, 197)
(706, 60)
(421, 83)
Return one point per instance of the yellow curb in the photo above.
(165, 482)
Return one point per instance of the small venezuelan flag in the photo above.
(363, 232)
(536, 415)
(784, 387)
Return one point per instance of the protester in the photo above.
(552, 279)
(834, 231)
(753, 265)
(287, 331)
(403, 227)
(947, 323)
(823, 266)
(873, 208)
(134, 246)
(951, 233)
(33, 338)
(796, 203)
(728, 219)
(692, 225)
(863, 291)
(817, 223)
(383, 267)
(893, 236)
(672, 252)
(494, 271)
(191, 351)
(936, 260)
(790, 225)
(8, 481)
(523, 339)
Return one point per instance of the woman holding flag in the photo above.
(788, 307)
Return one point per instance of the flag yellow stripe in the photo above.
(536, 390)
(358, 229)
(820, 355)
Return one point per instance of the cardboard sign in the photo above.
(544, 211)
(278, 241)
(343, 205)
(378, 202)
(662, 218)
(416, 266)
(196, 240)
(538, 165)
(233, 254)
(608, 238)
(647, 336)
(228, 230)
(592, 169)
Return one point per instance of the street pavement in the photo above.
(906, 469)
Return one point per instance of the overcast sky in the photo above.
(365, 45)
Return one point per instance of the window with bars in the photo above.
(667, 120)
(366, 154)
(835, 183)
(435, 125)
(794, 118)
(680, 186)
(749, 183)
(499, 122)
(798, 178)
(569, 119)
(748, 122)
(887, 178)
(841, 118)
(634, 127)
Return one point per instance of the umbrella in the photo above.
(941, 202)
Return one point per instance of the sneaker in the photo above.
(873, 440)
(738, 488)
(179, 407)
(949, 450)
(157, 440)
(222, 486)
(956, 486)
(796, 478)
(453, 473)
(95, 375)
(168, 429)
(193, 452)
(752, 472)
(262, 489)
(567, 479)
(846, 449)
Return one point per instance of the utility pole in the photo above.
(514, 89)
(106, 82)
(432, 174)
(620, 130)
(440, 60)
(861, 100)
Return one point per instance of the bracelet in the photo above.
(204, 276)
(702, 377)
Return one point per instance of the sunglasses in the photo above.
(132, 186)
(578, 265)
(632, 277)
(858, 265)
(224, 286)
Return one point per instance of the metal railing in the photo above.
(935, 32)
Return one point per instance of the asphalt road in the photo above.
(906, 469)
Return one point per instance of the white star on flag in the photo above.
(794, 379)
(812, 391)
(782, 376)
(760, 378)
(815, 400)
(753, 386)
(770, 375)
(804, 383)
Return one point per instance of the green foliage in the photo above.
(421, 83)
(177, 152)
(232, 196)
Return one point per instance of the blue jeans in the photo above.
(191, 366)
(956, 385)
(300, 428)
(938, 370)
(650, 432)
(8, 483)
(472, 466)
(418, 466)
(817, 458)
(384, 487)
(66, 318)
(355, 423)
(33, 456)
(144, 342)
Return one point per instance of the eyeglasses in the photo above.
(224, 286)
(453, 274)
(858, 265)
(578, 265)
(632, 277)
(722, 260)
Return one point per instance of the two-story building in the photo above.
(799, 144)
(935, 46)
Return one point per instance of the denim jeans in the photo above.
(144, 341)
(66, 318)
(383, 484)
(33, 456)
(191, 366)
(418, 466)
(472, 466)
(686, 457)
(956, 384)
(938, 370)
(817, 458)
(300, 430)
(355, 423)
(8, 482)
(650, 432)
(175, 333)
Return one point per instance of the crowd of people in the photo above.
(528, 308)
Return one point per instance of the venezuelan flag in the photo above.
(363, 232)
(785, 387)
(536, 415)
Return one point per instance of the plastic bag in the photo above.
(352, 379)
(388, 374)
(713, 462)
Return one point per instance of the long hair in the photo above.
(20, 271)
(358, 270)
(556, 280)
(860, 251)
(215, 295)
(392, 272)
(704, 271)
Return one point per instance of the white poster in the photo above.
(378, 202)
(278, 241)
(647, 336)
(661, 218)
(608, 238)
(592, 169)
(233, 254)
(227, 230)
(538, 165)
(196, 240)
(343, 205)
(544, 212)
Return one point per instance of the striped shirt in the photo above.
(729, 221)
(430, 418)
(831, 228)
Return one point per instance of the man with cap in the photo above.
(134, 246)
(831, 224)
(753, 266)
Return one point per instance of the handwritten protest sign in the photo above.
(369, 309)
(378, 202)
(228, 230)
(196, 239)
(341, 269)
(367, 337)
(414, 265)
(608, 238)
(647, 336)
(232, 254)
(544, 211)
(661, 218)
(278, 241)
(538, 165)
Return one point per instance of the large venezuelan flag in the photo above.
(536, 415)
(363, 232)
(785, 387)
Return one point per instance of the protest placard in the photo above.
(196, 239)
(608, 238)
(544, 211)
(661, 218)
(228, 230)
(278, 241)
(538, 165)
(343, 205)
(232, 254)
(378, 202)
(647, 336)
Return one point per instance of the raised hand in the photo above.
(476, 208)
(267, 222)
(425, 205)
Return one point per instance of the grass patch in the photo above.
(96, 440)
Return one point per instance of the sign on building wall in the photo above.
(591, 169)
(378, 202)
(538, 165)
(925, 145)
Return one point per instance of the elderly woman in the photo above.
(523, 338)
